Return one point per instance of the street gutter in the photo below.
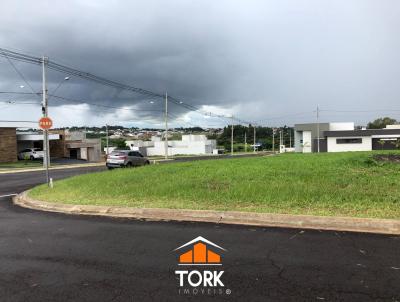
(364, 225)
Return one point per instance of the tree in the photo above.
(397, 143)
(382, 143)
(263, 136)
(381, 123)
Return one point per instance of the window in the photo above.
(137, 154)
(349, 141)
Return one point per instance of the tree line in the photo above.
(264, 137)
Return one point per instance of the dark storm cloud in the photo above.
(258, 58)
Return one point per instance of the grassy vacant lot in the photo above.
(341, 184)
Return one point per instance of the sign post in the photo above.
(45, 123)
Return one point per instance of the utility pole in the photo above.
(46, 145)
(166, 126)
(107, 150)
(254, 149)
(290, 138)
(245, 142)
(273, 140)
(318, 128)
(232, 137)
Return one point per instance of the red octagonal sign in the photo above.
(45, 123)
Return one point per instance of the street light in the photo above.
(59, 85)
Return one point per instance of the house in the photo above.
(190, 145)
(63, 144)
(342, 137)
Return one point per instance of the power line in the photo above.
(287, 115)
(100, 80)
(207, 113)
(99, 105)
(83, 103)
(20, 103)
(18, 72)
(17, 92)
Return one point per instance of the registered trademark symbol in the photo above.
(228, 291)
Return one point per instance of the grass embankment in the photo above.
(341, 184)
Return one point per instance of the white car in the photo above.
(126, 158)
(31, 153)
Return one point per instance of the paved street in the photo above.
(55, 257)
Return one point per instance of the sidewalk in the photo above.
(55, 167)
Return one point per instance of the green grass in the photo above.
(341, 184)
(25, 164)
(21, 164)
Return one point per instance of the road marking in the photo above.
(8, 195)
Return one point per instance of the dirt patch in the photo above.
(394, 158)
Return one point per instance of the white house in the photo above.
(189, 145)
(306, 135)
(341, 137)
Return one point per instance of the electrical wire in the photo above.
(17, 92)
(18, 72)
(99, 105)
(88, 76)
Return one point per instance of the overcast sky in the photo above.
(266, 61)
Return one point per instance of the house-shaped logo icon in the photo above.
(200, 253)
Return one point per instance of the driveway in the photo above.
(56, 257)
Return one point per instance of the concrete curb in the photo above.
(364, 225)
(17, 170)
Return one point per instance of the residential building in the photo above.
(342, 137)
(190, 145)
(63, 143)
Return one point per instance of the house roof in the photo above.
(368, 132)
(201, 239)
(18, 124)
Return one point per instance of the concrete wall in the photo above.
(74, 135)
(307, 142)
(313, 127)
(341, 126)
(57, 147)
(392, 127)
(94, 153)
(179, 147)
(194, 138)
(366, 144)
(134, 144)
(8, 145)
(306, 135)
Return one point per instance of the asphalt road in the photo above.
(56, 257)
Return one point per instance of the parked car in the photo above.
(125, 158)
(31, 153)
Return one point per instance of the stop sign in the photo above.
(45, 123)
